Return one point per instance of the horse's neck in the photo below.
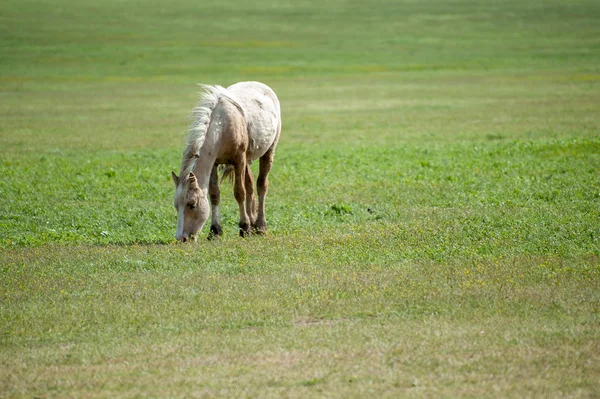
(205, 162)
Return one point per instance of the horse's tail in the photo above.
(227, 172)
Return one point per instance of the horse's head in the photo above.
(191, 205)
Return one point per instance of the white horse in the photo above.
(232, 126)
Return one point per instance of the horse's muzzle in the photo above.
(183, 238)
(186, 238)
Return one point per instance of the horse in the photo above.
(231, 126)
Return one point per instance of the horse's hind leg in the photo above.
(215, 198)
(250, 202)
(239, 191)
(263, 186)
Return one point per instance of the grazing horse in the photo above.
(233, 127)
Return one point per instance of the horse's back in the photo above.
(262, 112)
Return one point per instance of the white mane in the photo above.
(201, 119)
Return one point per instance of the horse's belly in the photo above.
(261, 137)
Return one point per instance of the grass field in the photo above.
(434, 205)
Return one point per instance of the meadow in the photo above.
(433, 210)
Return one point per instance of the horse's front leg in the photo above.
(215, 199)
(239, 191)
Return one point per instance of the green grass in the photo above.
(434, 206)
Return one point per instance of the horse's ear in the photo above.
(193, 180)
(175, 178)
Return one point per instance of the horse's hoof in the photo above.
(215, 232)
(244, 230)
(244, 233)
(260, 231)
(211, 236)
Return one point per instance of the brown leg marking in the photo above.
(239, 192)
(215, 198)
(250, 201)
